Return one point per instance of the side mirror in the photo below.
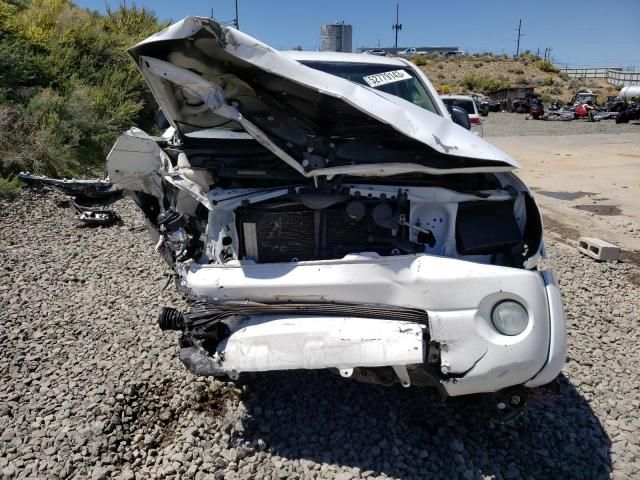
(460, 116)
(160, 120)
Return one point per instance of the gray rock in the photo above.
(90, 386)
(99, 473)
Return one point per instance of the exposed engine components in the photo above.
(171, 228)
(170, 319)
(324, 223)
(356, 210)
(424, 235)
(385, 216)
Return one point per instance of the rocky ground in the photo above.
(92, 389)
(502, 124)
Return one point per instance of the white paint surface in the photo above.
(282, 343)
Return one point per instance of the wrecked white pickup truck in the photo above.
(324, 211)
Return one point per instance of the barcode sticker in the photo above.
(386, 77)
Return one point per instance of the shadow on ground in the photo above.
(412, 433)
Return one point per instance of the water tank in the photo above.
(627, 93)
(336, 37)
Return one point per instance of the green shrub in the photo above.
(419, 60)
(482, 84)
(445, 88)
(547, 66)
(67, 85)
(9, 187)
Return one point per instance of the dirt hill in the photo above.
(485, 73)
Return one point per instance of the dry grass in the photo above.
(451, 72)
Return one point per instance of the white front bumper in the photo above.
(457, 295)
(268, 343)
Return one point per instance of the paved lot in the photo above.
(584, 184)
(92, 389)
(514, 124)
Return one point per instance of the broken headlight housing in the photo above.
(509, 317)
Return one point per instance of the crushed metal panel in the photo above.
(137, 163)
(229, 61)
(460, 346)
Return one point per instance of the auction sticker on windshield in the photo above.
(386, 77)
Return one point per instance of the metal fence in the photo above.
(615, 76)
(623, 79)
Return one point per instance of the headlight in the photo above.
(509, 317)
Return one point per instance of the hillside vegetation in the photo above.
(485, 73)
(67, 85)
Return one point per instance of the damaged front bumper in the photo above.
(360, 314)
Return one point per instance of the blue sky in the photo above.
(580, 32)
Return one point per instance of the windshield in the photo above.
(398, 81)
(462, 103)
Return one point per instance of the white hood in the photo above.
(204, 75)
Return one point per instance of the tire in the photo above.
(622, 118)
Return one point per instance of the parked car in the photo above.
(323, 211)
(482, 103)
(407, 52)
(376, 51)
(494, 105)
(583, 97)
(469, 105)
(527, 103)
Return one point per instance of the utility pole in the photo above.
(547, 53)
(519, 35)
(397, 27)
(233, 22)
(236, 20)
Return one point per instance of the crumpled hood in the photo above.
(204, 76)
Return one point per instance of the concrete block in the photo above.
(599, 249)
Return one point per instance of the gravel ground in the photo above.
(92, 389)
(499, 124)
